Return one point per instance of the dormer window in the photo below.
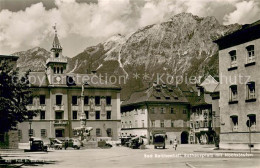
(233, 58)
(233, 93)
(250, 54)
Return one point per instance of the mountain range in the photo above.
(180, 46)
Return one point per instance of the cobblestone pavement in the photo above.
(193, 156)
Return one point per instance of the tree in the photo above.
(15, 95)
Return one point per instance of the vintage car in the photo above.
(159, 140)
(38, 145)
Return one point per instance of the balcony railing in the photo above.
(60, 123)
(61, 60)
(58, 107)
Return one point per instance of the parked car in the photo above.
(159, 140)
(75, 143)
(38, 145)
(56, 144)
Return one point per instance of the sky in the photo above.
(26, 24)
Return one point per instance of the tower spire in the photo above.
(56, 42)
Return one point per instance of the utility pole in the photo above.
(248, 123)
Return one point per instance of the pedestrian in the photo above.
(175, 144)
(66, 144)
(170, 142)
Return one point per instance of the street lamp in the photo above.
(30, 133)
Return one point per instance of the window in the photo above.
(136, 123)
(42, 115)
(250, 87)
(191, 125)
(30, 132)
(109, 132)
(234, 123)
(74, 100)
(201, 124)
(61, 70)
(172, 124)
(197, 125)
(97, 100)
(108, 115)
(233, 57)
(54, 70)
(87, 115)
(142, 123)
(43, 133)
(58, 70)
(58, 99)
(172, 110)
(250, 54)
(30, 116)
(162, 124)
(30, 100)
(142, 111)
(184, 111)
(130, 124)
(58, 115)
(75, 115)
(42, 99)
(86, 100)
(153, 123)
(20, 135)
(98, 132)
(57, 55)
(97, 115)
(205, 124)
(108, 100)
(252, 119)
(233, 93)
(122, 125)
(152, 110)
(162, 110)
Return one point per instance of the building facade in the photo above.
(239, 88)
(66, 99)
(204, 125)
(160, 108)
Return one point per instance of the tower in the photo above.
(57, 63)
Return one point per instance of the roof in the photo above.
(248, 32)
(56, 42)
(9, 57)
(39, 79)
(191, 93)
(157, 94)
(209, 84)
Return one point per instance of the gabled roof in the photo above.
(209, 84)
(157, 94)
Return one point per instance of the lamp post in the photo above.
(30, 133)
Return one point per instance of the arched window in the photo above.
(57, 55)
(54, 70)
(58, 70)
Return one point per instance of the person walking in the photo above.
(175, 144)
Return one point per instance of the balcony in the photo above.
(58, 107)
(59, 60)
(58, 123)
